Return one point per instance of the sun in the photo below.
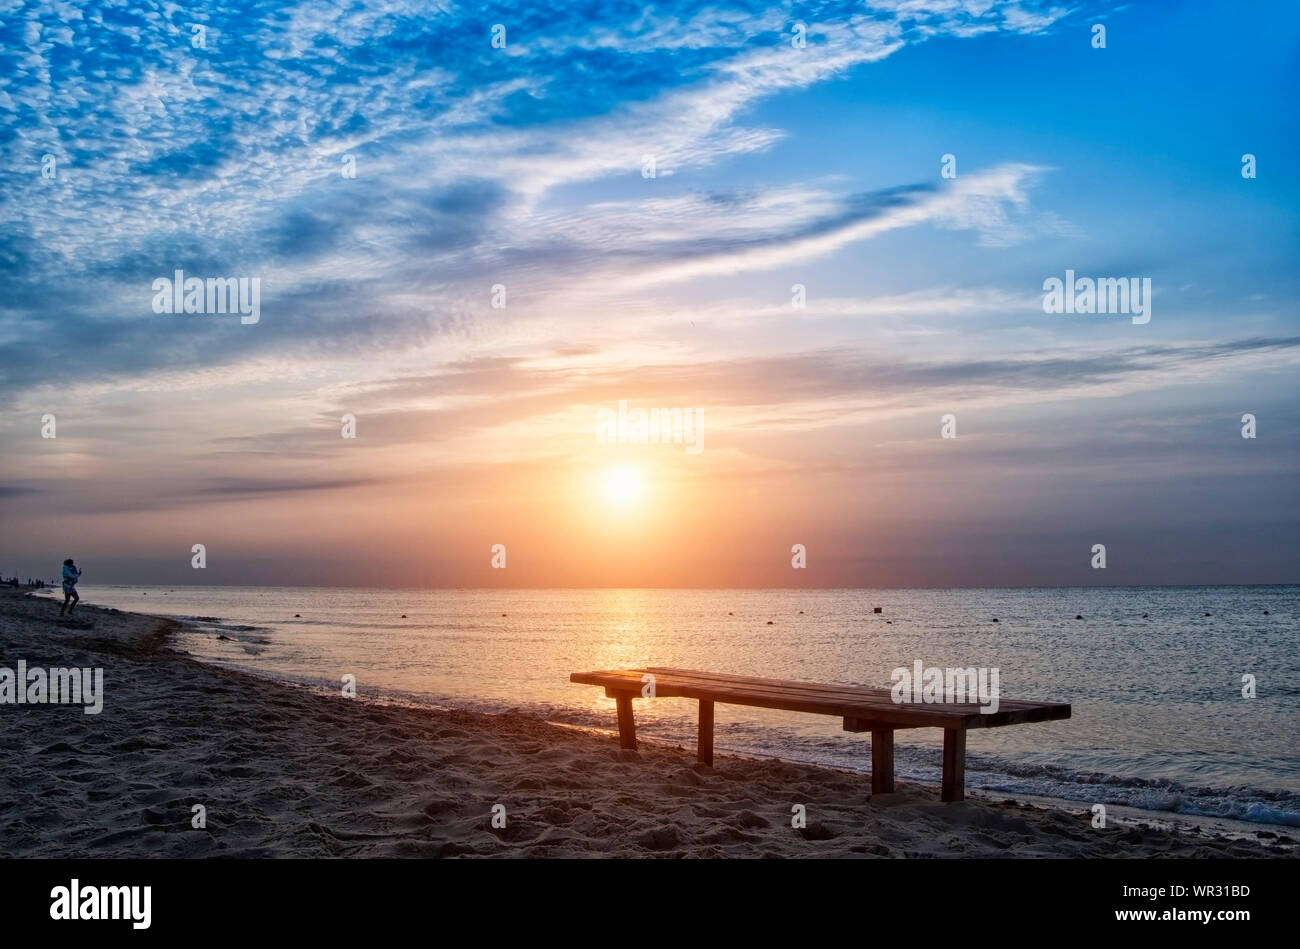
(623, 485)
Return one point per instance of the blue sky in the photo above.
(776, 166)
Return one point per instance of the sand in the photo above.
(287, 772)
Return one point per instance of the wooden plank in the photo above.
(771, 696)
(884, 709)
(954, 765)
(804, 686)
(844, 692)
(626, 723)
(704, 749)
(790, 702)
(751, 683)
(818, 687)
(842, 701)
(882, 761)
(750, 680)
(627, 677)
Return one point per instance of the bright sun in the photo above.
(623, 485)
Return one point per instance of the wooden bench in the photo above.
(862, 709)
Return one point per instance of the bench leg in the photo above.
(882, 761)
(626, 723)
(704, 749)
(954, 764)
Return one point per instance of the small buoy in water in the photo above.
(403, 616)
(995, 619)
(729, 613)
(1207, 614)
(1078, 616)
(297, 615)
(889, 622)
(769, 623)
(1144, 615)
(503, 614)
(877, 609)
(801, 612)
(1266, 612)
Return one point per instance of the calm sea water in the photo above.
(1159, 721)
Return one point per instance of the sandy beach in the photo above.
(285, 772)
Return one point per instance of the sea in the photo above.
(1186, 700)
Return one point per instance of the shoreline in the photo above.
(286, 771)
(1120, 814)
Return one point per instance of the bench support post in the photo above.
(954, 765)
(704, 749)
(882, 761)
(626, 723)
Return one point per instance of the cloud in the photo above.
(506, 400)
(979, 202)
(243, 487)
(225, 160)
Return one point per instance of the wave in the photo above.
(1236, 802)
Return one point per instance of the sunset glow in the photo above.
(630, 279)
(623, 486)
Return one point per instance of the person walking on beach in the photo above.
(71, 574)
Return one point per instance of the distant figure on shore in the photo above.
(71, 574)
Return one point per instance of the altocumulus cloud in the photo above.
(225, 159)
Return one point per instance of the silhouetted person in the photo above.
(71, 574)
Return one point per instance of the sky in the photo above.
(815, 229)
